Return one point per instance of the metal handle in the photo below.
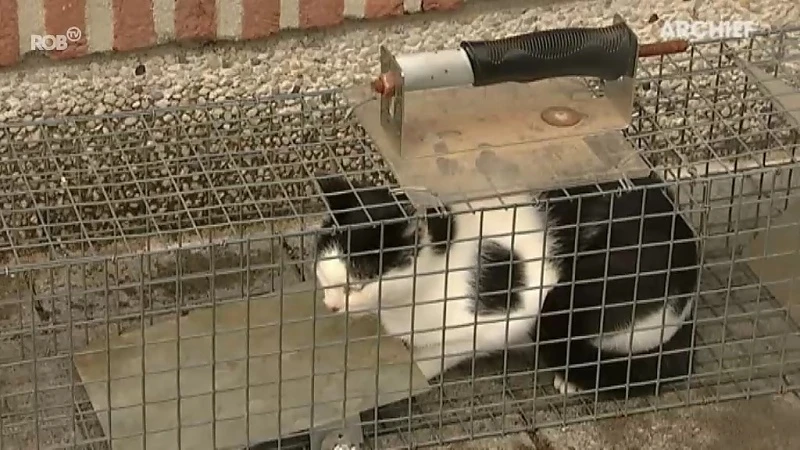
(608, 53)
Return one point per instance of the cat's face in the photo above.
(352, 258)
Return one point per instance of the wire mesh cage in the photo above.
(125, 234)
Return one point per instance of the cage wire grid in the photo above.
(111, 223)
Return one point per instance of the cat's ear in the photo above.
(338, 192)
(413, 227)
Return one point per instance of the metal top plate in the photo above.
(483, 141)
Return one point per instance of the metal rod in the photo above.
(663, 48)
(451, 67)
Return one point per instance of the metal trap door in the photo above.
(506, 137)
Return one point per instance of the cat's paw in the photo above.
(564, 387)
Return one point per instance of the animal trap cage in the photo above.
(200, 222)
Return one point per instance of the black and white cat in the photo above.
(370, 257)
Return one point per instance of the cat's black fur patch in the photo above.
(623, 262)
(374, 246)
(353, 204)
(498, 279)
(441, 229)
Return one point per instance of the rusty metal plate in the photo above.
(488, 140)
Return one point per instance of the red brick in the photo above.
(9, 33)
(260, 18)
(134, 24)
(60, 15)
(196, 19)
(321, 13)
(383, 8)
(441, 5)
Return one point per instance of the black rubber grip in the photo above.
(606, 53)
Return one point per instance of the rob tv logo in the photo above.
(59, 42)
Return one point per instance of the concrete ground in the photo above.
(763, 423)
(174, 76)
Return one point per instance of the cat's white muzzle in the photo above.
(335, 301)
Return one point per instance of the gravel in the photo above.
(327, 59)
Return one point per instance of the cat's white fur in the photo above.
(399, 295)
(647, 333)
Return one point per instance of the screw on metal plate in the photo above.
(561, 116)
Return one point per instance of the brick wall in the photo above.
(124, 25)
